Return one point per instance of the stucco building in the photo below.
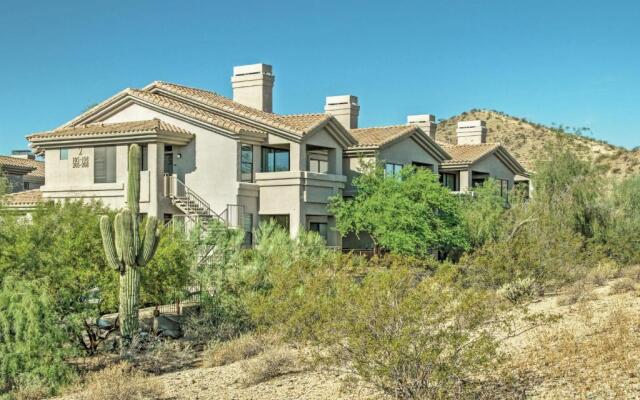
(206, 156)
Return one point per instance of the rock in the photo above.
(167, 327)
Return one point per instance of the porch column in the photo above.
(465, 180)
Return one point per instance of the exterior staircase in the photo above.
(199, 212)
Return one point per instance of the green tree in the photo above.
(483, 214)
(33, 344)
(410, 213)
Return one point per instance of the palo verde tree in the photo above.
(410, 213)
(129, 248)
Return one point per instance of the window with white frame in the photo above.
(104, 164)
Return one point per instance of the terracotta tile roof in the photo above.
(194, 112)
(27, 198)
(297, 124)
(378, 136)
(38, 172)
(468, 153)
(98, 129)
(19, 163)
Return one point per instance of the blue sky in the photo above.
(571, 62)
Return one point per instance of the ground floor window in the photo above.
(449, 181)
(391, 169)
(281, 220)
(504, 188)
(248, 230)
(320, 227)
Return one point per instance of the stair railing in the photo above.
(175, 188)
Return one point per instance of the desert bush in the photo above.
(483, 214)
(622, 232)
(277, 362)
(519, 290)
(576, 292)
(603, 272)
(622, 285)
(223, 353)
(33, 345)
(121, 382)
(632, 273)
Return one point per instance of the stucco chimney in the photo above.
(344, 108)
(426, 122)
(471, 132)
(253, 86)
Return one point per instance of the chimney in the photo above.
(471, 132)
(426, 122)
(344, 108)
(24, 154)
(253, 86)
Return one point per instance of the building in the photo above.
(22, 171)
(207, 157)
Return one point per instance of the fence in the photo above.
(189, 297)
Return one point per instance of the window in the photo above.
(248, 230)
(449, 181)
(282, 220)
(64, 154)
(26, 186)
(422, 165)
(319, 166)
(246, 163)
(320, 227)
(168, 159)
(274, 160)
(104, 164)
(391, 169)
(144, 158)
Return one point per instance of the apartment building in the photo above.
(207, 157)
(22, 171)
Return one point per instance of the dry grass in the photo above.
(623, 285)
(598, 363)
(605, 271)
(580, 291)
(242, 348)
(632, 272)
(271, 364)
(120, 382)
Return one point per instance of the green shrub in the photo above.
(33, 344)
(519, 290)
(622, 285)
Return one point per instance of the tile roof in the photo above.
(467, 153)
(297, 124)
(15, 162)
(378, 136)
(98, 129)
(38, 172)
(27, 198)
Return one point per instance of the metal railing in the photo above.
(176, 189)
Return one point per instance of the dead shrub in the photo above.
(605, 271)
(577, 292)
(121, 382)
(622, 285)
(632, 272)
(229, 352)
(277, 362)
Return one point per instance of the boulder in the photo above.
(167, 327)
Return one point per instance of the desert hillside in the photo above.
(526, 140)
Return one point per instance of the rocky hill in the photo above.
(526, 140)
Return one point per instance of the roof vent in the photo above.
(253, 86)
(344, 108)
(471, 132)
(426, 122)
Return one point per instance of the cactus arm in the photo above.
(150, 243)
(117, 225)
(127, 238)
(109, 244)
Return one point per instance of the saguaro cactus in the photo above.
(129, 248)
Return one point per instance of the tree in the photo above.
(129, 248)
(483, 214)
(409, 213)
(33, 344)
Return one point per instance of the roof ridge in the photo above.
(387, 126)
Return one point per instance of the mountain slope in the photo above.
(526, 140)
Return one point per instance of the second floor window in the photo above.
(104, 164)
(391, 169)
(275, 160)
(246, 163)
(449, 181)
(319, 166)
(64, 154)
